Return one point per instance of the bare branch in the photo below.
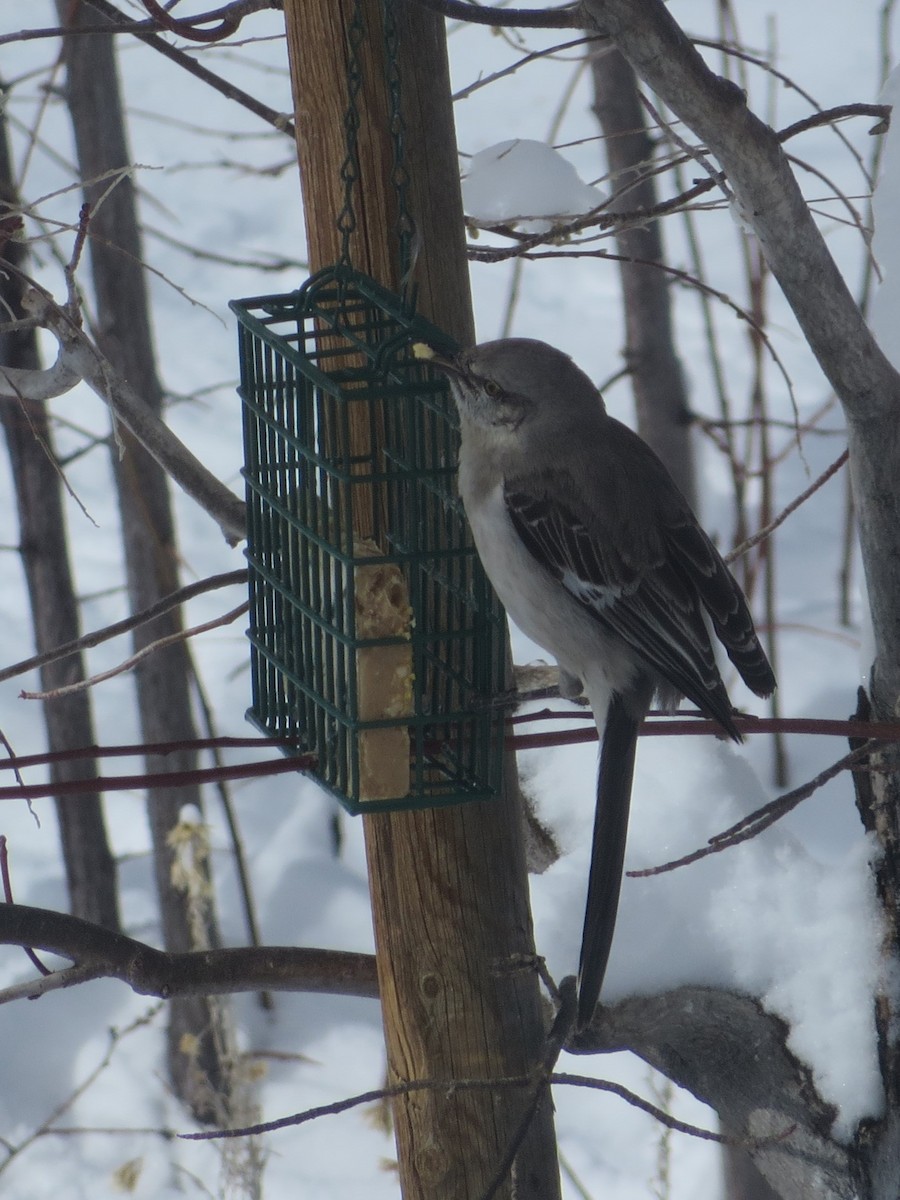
(230, 16)
(51, 981)
(115, 1036)
(82, 357)
(748, 827)
(133, 660)
(19, 383)
(536, 1082)
(8, 899)
(768, 530)
(89, 640)
(136, 750)
(119, 22)
(567, 17)
(685, 725)
(534, 56)
(159, 779)
(187, 27)
(152, 972)
(419, 1085)
(765, 1096)
(768, 196)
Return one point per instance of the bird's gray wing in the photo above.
(637, 592)
(697, 559)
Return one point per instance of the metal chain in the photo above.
(406, 226)
(346, 219)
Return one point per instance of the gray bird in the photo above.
(598, 558)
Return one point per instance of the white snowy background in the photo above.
(788, 917)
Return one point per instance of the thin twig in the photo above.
(461, 1085)
(659, 1114)
(88, 640)
(566, 17)
(120, 24)
(164, 779)
(533, 56)
(658, 726)
(140, 750)
(130, 663)
(8, 897)
(750, 826)
(50, 981)
(83, 357)
(767, 530)
(115, 1038)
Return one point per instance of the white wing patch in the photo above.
(591, 594)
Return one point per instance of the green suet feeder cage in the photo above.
(377, 644)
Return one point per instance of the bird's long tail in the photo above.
(608, 851)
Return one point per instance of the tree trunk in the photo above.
(654, 368)
(740, 1178)
(90, 867)
(453, 933)
(163, 679)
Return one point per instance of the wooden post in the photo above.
(453, 933)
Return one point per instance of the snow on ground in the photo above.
(788, 916)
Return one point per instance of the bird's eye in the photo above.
(492, 389)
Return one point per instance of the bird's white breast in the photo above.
(539, 604)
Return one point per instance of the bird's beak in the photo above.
(447, 365)
(428, 354)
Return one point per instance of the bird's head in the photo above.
(516, 382)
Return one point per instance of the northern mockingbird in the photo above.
(598, 558)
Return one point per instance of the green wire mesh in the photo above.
(350, 459)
